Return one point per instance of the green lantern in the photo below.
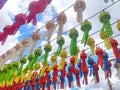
(47, 49)
(73, 44)
(86, 26)
(60, 43)
(23, 60)
(104, 18)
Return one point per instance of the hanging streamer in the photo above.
(85, 27)
(91, 42)
(79, 7)
(61, 19)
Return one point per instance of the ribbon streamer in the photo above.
(61, 19)
(79, 7)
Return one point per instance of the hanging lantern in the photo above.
(85, 27)
(73, 44)
(10, 53)
(63, 74)
(18, 50)
(63, 56)
(50, 26)
(99, 52)
(55, 72)
(84, 68)
(114, 45)
(104, 36)
(60, 43)
(79, 7)
(61, 18)
(35, 38)
(23, 60)
(107, 66)
(20, 18)
(37, 54)
(91, 42)
(104, 18)
(118, 25)
(53, 60)
(9, 31)
(35, 8)
(47, 49)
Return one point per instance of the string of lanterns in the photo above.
(14, 76)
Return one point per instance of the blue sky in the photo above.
(13, 7)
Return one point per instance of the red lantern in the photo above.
(114, 45)
(84, 68)
(20, 18)
(100, 54)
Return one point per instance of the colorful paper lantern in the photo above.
(85, 27)
(61, 19)
(79, 7)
